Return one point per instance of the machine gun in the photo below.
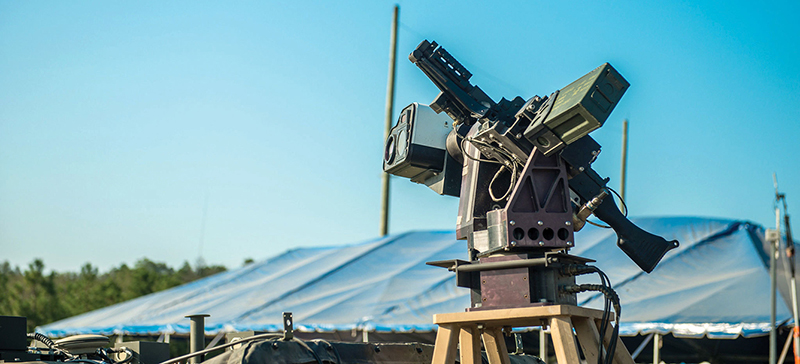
(522, 170)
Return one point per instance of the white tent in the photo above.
(716, 284)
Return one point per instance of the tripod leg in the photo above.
(564, 340)
(470, 340)
(621, 353)
(496, 350)
(444, 352)
(588, 337)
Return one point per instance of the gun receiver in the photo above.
(500, 137)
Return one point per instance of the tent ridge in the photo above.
(733, 227)
(319, 278)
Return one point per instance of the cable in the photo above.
(611, 299)
(335, 350)
(598, 225)
(621, 201)
(503, 157)
(314, 353)
(205, 351)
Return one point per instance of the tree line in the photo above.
(44, 298)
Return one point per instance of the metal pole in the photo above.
(624, 166)
(543, 345)
(793, 333)
(657, 348)
(389, 111)
(197, 336)
(773, 338)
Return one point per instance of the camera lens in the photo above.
(388, 154)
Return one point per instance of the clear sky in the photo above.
(121, 122)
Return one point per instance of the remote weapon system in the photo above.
(523, 172)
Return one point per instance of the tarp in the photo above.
(716, 284)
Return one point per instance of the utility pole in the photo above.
(789, 252)
(389, 111)
(624, 167)
(773, 237)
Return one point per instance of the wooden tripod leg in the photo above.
(563, 340)
(588, 337)
(621, 353)
(495, 344)
(470, 340)
(444, 352)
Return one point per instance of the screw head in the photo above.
(513, 243)
(580, 169)
(541, 243)
(512, 222)
(540, 223)
(567, 223)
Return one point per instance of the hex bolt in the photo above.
(512, 222)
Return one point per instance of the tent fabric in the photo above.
(715, 284)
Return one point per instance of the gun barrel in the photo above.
(463, 101)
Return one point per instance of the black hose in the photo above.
(42, 339)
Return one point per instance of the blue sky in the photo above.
(120, 121)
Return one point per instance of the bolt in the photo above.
(525, 295)
(567, 223)
(569, 243)
(512, 222)
(541, 243)
(580, 169)
(483, 281)
(524, 278)
(484, 299)
(540, 223)
(518, 136)
(513, 243)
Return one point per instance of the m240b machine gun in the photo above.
(522, 170)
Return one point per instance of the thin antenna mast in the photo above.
(789, 251)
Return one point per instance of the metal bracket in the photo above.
(288, 326)
(518, 341)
